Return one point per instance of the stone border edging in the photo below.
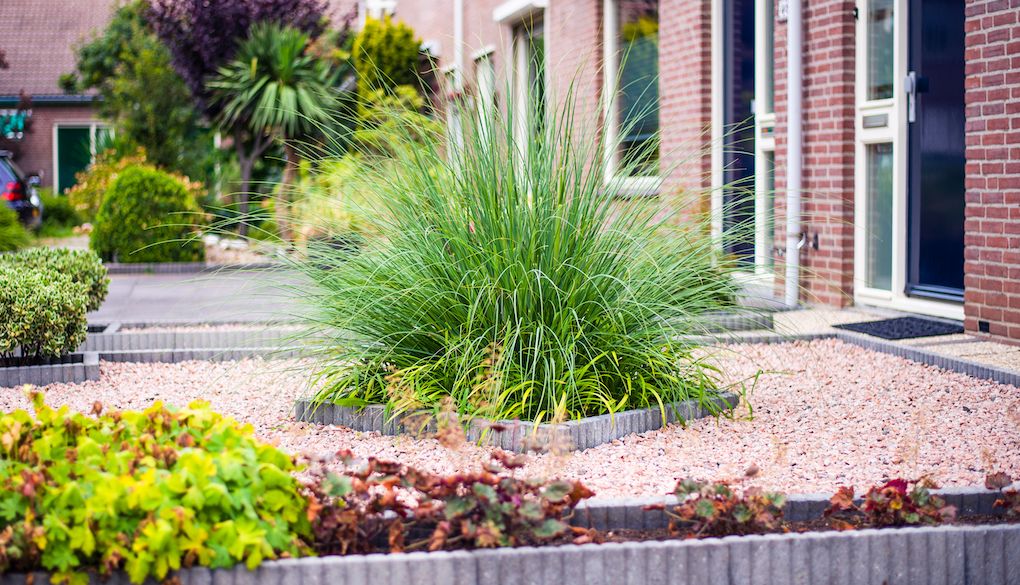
(183, 267)
(173, 356)
(87, 369)
(967, 555)
(180, 340)
(583, 434)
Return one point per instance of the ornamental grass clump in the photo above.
(510, 276)
(147, 492)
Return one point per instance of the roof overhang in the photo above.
(513, 11)
(49, 99)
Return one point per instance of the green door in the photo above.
(74, 154)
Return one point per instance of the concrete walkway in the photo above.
(227, 296)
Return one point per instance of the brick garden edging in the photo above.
(184, 340)
(583, 433)
(957, 554)
(79, 371)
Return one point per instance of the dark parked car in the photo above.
(19, 192)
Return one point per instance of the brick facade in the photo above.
(827, 209)
(35, 154)
(574, 55)
(992, 265)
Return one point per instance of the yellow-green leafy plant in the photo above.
(148, 492)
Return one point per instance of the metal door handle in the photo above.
(910, 87)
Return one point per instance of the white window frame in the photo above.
(764, 142)
(485, 86)
(631, 186)
(93, 126)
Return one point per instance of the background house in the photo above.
(39, 39)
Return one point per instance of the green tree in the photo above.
(274, 89)
(385, 58)
(143, 97)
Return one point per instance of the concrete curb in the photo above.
(86, 369)
(182, 267)
(968, 555)
(178, 340)
(518, 436)
(173, 356)
(630, 514)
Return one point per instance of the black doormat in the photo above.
(903, 328)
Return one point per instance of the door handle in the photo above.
(910, 87)
(914, 84)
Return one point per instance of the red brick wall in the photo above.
(685, 102)
(827, 206)
(992, 264)
(34, 154)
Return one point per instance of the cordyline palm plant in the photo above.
(512, 279)
(274, 88)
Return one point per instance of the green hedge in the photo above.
(13, 235)
(147, 216)
(41, 312)
(145, 492)
(81, 266)
(58, 211)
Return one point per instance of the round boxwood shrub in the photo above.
(41, 312)
(145, 492)
(13, 235)
(81, 266)
(147, 216)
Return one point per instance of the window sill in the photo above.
(633, 187)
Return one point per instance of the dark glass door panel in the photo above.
(936, 152)
(738, 131)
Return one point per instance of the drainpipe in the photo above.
(795, 154)
(458, 43)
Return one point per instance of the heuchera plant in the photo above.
(372, 505)
(1010, 498)
(146, 492)
(717, 509)
(893, 504)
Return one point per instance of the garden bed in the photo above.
(826, 413)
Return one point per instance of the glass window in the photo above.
(485, 82)
(637, 107)
(769, 241)
(880, 49)
(878, 237)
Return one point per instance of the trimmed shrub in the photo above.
(13, 235)
(41, 311)
(147, 215)
(146, 492)
(58, 211)
(81, 266)
(91, 184)
(385, 57)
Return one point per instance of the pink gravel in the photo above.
(826, 414)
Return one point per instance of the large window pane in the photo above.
(638, 103)
(878, 240)
(880, 49)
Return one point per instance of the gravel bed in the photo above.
(826, 414)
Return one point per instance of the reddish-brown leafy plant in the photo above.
(717, 509)
(893, 504)
(372, 505)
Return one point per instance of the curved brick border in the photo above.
(968, 555)
(582, 434)
(87, 369)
